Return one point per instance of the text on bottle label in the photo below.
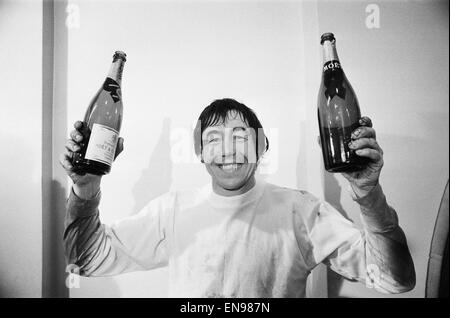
(102, 144)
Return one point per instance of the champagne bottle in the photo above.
(338, 113)
(102, 123)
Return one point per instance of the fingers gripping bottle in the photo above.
(338, 112)
(102, 123)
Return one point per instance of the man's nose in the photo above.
(228, 147)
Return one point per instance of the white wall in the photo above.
(21, 140)
(400, 74)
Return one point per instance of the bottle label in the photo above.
(331, 65)
(334, 79)
(102, 144)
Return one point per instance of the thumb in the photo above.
(119, 147)
(365, 121)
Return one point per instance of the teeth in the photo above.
(229, 166)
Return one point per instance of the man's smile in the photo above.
(230, 167)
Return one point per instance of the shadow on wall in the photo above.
(156, 179)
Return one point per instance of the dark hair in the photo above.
(218, 112)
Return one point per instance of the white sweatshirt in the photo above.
(263, 243)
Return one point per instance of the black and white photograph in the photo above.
(245, 150)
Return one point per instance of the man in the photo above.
(241, 237)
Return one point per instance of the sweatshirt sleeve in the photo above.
(135, 243)
(376, 255)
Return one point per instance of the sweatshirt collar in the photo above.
(220, 201)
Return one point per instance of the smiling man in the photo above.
(229, 142)
(239, 236)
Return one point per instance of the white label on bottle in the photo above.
(102, 144)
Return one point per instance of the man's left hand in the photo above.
(365, 145)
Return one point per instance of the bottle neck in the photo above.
(329, 51)
(116, 69)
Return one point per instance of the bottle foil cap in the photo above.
(120, 55)
(327, 37)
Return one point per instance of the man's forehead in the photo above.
(232, 123)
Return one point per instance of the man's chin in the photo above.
(231, 185)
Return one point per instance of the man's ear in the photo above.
(198, 140)
(263, 143)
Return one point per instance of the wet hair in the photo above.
(218, 112)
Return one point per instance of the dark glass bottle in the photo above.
(102, 123)
(338, 113)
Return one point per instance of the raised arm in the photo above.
(376, 255)
(385, 241)
(134, 243)
(96, 249)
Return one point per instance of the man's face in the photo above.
(229, 153)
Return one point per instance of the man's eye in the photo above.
(213, 139)
(242, 138)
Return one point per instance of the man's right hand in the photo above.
(85, 186)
